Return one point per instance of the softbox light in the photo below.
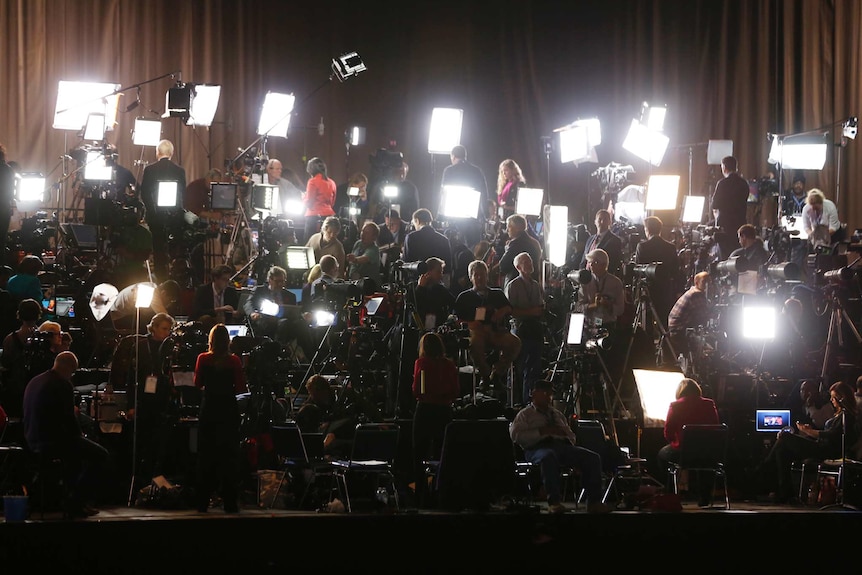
(556, 234)
(579, 139)
(717, 150)
(77, 100)
(803, 156)
(275, 114)
(102, 299)
(646, 144)
(692, 209)
(355, 136)
(530, 201)
(460, 202)
(652, 116)
(147, 132)
(95, 128)
(144, 294)
(662, 192)
(203, 105)
(657, 390)
(445, 131)
(30, 188)
(265, 197)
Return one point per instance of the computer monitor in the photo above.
(772, 420)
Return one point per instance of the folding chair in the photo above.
(702, 448)
(290, 450)
(375, 446)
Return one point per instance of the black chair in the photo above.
(702, 448)
(375, 446)
(477, 465)
(291, 452)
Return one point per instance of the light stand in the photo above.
(836, 321)
(143, 298)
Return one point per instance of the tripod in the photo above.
(644, 305)
(240, 224)
(836, 321)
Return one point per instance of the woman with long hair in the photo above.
(319, 196)
(509, 179)
(219, 374)
(435, 387)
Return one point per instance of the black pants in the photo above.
(218, 463)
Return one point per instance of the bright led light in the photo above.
(718, 150)
(95, 129)
(97, 169)
(356, 136)
(294, 207)
(300, 257)
(758, 322)
(30, 188)
(662, 193)
(646, 144)
(579, 139)
(275, 114)
(556, 220)
(460, 202)
(144, 294)
(167, 194)
(445, 132)
(324, 318)
(803, 156)
(390, 191)
(530, 201)
(204, 104)
(147, 132)
(692, 209)
(655, 118)
(576, 329)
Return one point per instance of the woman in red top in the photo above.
(218, 372)
(319, 196)
(435, 387)
(690, 407)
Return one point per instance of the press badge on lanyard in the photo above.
(150, 384)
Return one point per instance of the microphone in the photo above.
(320, 127)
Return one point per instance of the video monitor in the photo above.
(237, 330)
(772, 420)
(222, 196)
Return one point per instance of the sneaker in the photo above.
(556, 508)
(598, 508)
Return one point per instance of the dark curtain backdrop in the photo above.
(734, 69)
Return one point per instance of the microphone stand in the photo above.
(839, 483)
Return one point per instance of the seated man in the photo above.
(751, 254)
(549, 442)
(486, 311)
(273, 312)
(52, 430)
(691, 310)
(216, 302)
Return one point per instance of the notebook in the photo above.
(772, 420)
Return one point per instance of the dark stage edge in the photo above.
(132, 540)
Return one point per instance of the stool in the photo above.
(48, 471)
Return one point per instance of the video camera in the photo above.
(417, 267)
(650, 272)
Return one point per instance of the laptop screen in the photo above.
(772, 420)
(237, 330)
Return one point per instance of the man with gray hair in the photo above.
(161, 218)
(603, 298)
(528, 306)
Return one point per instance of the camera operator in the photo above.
(751, 252)
(519, 242)
(603, 298)
(793, 199)
(326, 242)
(691, 310)
(485, 310)
(15, 372)
(288, 322)
(664, 289)
(391, 241)
(425, 242)
(328, 275)
(729, 204)
(820, 220)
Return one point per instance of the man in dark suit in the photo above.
(425, 242)
(519, 241)
(606, 240)
(273, 312)
(391, 241)
(216, 302)
(729, 205)
(664, 288)
(161, 219)
(463, 173)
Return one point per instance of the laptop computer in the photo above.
(237, 330)
(772, 420)
(64, 307)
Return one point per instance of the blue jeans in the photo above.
(528, 366)
(551, 456)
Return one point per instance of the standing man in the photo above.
(425, 242)
(519, 242)
(7, 202)
(729, 205)
(161, 219)
(528, 305)
(606, 240)
(603, 297)
(664, 289)
(217, 301)
(52, 431)
(463, 173)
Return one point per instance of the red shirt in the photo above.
(441, 381)
(691, 409)
(319, 196)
